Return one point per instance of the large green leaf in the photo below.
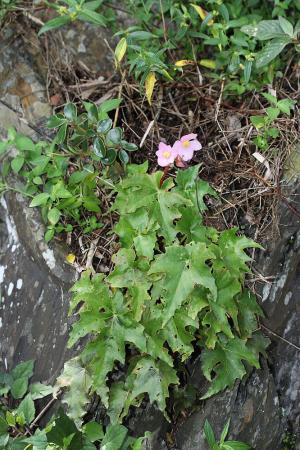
(177, 281)
(78, 383)
(162, 204)
(264, 30)
(226, 363)
(271, 50)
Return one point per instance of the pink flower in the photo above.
(165, 155)
(186, 146)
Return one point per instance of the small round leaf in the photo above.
(104, 125)
(114, 136)
(123, 157)
(70, 111)
(99, 148)
(110, 157)
(128, 146)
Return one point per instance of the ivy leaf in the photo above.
(178, 280)
(232, 251)
(78, 383)
(147, 376)
(162, 204)
(225, 361)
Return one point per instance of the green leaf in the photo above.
(128, 146)
(178, 280)
(110, 105)
(209, 434)
(115, 436)
(271, 98)
(93, 431)
(19, 387)
(110, 157)
(38, 441)
(61, 135)
(286, 26)
(99, 148)
(24, 143)
(92, 17)
(24, 369)
(70, 111)
(114, 136)
(27, 408)
(147, 376)
(225, 361)
(264, 30)
(236, 445)
(54, 23)
(76, 379)
(272, 113)
(104, 126)
(120, 49)
(17, 163)
(56, 121)
(54, 216)
(123, 157)
(225, 431)
(161, 204)
(270, 51)
(285, 106)
(39, 390)
(40, 199)
(258, 121)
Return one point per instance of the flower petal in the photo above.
(195, 145)
(188, 137)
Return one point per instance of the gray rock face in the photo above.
(253, 408)
(34, 283)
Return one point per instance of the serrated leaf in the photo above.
(149, 86)
(226, 362)
(78, 383)
(178, 280)
(161, 204)
(149, 377)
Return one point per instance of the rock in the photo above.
(34, 283)
(21, 84)
(253, 409)
(280, 299)
(85, 43)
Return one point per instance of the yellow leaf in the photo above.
(209, 63)
(70, 258)
(183, 62)
(202, 13)
(149, 85)
(121, 49)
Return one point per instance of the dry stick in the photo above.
(279, 337)
(43, 411)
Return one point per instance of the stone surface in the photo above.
(253, 409)
(34, 283)
(280, 299)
